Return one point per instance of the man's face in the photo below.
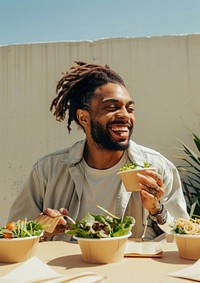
(112, 117)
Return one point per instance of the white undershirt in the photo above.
(101, 187)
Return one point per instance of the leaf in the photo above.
(192, 209)
(99, 226)
(191, 153)
(197, 141)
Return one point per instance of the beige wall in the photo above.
(161, 73)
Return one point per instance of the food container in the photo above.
(18, 249)
(188, 246)
(130, 178)
(103, 250)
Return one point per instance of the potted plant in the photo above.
(190, 176)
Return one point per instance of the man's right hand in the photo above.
(61, 225)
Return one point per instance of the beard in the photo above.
(103, 139)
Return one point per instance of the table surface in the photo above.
(66, 258)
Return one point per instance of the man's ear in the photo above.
(83, 117)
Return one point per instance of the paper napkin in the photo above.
(144, 249)
(36, 271)
(192, 272)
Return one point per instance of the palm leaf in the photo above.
(191, 153)
(192, 210)
(196, 141)
(190, 176)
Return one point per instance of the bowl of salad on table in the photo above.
(187, 236)
(102, 239)
(19, 240)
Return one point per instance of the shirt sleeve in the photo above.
(174, 200)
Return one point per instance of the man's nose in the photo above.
(123, 113)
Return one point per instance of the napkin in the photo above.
(192, 272)
(36, 271)
(143, 249)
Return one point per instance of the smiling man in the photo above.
(75, 180)
(108, 125)
(112, 117)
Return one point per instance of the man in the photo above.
(74, 180)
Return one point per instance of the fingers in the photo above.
(51, 212)
(60, 229)
(150, 202)
(157, 177)
(64, 211)
(147, 195)
(151, 183)
(154, 189)
(56, 213)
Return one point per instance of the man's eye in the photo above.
(111, 107)
(130, 110)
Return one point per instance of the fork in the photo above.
(69, 218)
(144, 232)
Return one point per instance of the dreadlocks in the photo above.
(76, 89)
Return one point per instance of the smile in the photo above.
(120, 129)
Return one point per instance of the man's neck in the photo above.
(101, 159)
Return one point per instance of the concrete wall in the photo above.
(161, 73)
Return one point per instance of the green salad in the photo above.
(129, 166)
(99, 226)
(21, 229)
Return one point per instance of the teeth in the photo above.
(120, 129)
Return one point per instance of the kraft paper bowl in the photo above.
(130, 178)
(18, 249)
(188, 246)
(103, 250)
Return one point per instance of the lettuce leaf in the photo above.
(100, 226)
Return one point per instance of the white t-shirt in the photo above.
(101, 187)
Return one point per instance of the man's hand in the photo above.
(61, 225)
(151, 190)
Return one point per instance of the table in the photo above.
(66, 258)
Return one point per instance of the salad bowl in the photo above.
(18, 249)
(19, 240)
(102, 239)
(187, 237)
(188, 246)
(103, 250)
(130, 179)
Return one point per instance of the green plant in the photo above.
(190, 176)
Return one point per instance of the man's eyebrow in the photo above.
(116, 100)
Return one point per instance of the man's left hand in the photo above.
(152, 190)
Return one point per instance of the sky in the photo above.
(28, 21)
